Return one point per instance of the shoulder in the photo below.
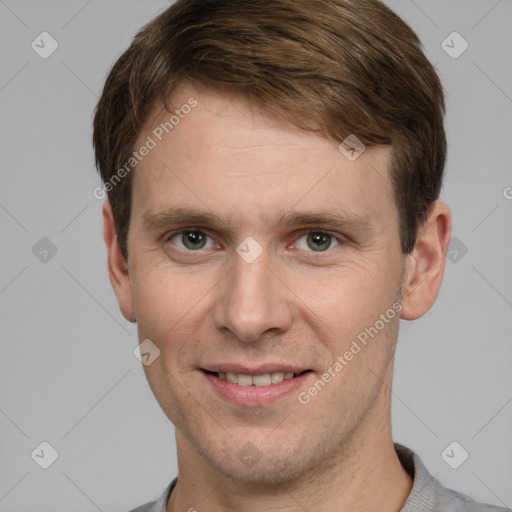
(458, 502)
(159, 505)
(148, 507)
(429, 494)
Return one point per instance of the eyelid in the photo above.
(168, 236)
(337, 236)
(299, 234)
(319, 254)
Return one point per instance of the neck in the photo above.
(364, 474)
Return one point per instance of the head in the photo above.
(242, 234)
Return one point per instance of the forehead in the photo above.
(218, 153)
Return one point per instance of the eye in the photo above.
(318, 241)
(191, 240)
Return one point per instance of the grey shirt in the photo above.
(427, 493)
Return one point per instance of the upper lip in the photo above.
(255, 370)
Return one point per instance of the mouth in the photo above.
(259, 387)
(261, 380)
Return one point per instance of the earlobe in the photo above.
(425, 265)
(117, 265)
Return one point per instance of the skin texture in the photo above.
(209, 306)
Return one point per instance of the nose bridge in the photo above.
(252, 302)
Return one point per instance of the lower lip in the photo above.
(256, 396)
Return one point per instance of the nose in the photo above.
(253, 302)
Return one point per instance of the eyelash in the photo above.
(308, 254)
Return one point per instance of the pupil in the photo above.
(193, 240)
(321, 241)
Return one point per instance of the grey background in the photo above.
(68, 375)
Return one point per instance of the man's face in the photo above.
(292, 298)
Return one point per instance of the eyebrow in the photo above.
(339, 217)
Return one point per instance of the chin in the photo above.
(263, 473)
(270, 468)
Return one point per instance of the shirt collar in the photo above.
(425, 488)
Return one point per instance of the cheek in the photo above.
(344, 310)
(350, 297)
(171, 305)
(164, 293)
(361, 356)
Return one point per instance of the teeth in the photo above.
(244, 380)
(262, 380)
(256, 380)
(232, 377)
(277, 377)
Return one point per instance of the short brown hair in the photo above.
(336, 67)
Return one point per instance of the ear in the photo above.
(425, 265)
(117, 265)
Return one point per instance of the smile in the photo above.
(265, 379)
(257, 388)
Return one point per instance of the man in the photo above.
(273, 170)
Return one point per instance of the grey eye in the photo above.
(190, 240)
(316, 241)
